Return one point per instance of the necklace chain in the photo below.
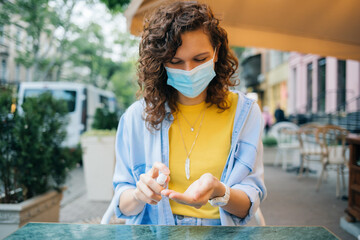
(187, 162)
(192, 126)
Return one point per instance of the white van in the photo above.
(82, 100)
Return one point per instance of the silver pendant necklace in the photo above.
(193, 125)
(187, 161)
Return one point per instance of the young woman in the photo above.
(190, 127)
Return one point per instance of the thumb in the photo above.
(154, 172)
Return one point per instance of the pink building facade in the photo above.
(322, 84)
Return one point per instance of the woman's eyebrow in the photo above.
(198, 55)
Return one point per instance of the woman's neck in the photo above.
(182, 99)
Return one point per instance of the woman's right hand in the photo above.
(147, 189)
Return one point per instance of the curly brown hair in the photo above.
(161, 38)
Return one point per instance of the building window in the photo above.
(285, 56)
(18, 38)
(1, 34)
(3, 70)
(29, 42)
(276, 58)
(341, 85)
(309, 87)
(17, 73)
(27, 76)
(321, 96)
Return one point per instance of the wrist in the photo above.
(223, 199)
(135, 197)
(219, 189)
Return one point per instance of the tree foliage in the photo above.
(124, 84)
(54, 47)
(38, 20)
(116, 5)
(88, 51)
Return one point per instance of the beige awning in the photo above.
(323, 27)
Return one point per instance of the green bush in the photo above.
(104, 119)
(8, 145)
(67, 160)
(36, 161)
(269, 141)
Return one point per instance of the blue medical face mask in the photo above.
(192, 83)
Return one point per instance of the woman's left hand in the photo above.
(199, 192)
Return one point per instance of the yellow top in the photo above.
(209, 153)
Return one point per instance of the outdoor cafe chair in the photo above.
(287, 142)
(310, 149)
(332, 141)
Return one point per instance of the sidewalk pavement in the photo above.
(76, 207)
(290, 201)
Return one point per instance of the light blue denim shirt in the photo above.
(137, 149)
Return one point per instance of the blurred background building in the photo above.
(10, 71)
(14, 41)
(307, 87)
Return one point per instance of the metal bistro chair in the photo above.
(332, 140)
(286, 136)
(259, 217)
(310, 149)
